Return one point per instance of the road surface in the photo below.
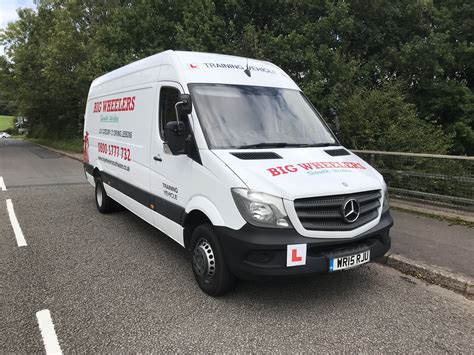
(113, 283)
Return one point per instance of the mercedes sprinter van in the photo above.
(227, 156)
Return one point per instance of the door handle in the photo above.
(157, 158)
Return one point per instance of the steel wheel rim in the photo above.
(204, 261)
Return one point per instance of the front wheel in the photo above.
(209, 267)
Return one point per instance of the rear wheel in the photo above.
(103, 202)
(209, 267)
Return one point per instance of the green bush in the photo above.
(381, 119)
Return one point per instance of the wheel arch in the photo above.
(199, 210)
(97, 168)
(191, 220)
(96, 171)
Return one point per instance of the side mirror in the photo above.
(184, 106)
(175, 134)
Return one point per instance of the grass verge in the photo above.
(70, 145)
(6, 122)
(450, 220)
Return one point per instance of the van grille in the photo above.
(326, 213)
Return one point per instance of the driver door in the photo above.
(170, 174)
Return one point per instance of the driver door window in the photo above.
(168, 98)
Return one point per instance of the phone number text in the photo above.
(114, 150)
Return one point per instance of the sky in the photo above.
(8, 12)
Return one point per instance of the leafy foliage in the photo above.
(399, 74)
(381, 119)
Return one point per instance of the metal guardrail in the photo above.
(441, 182)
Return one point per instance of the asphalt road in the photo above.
(114, 283)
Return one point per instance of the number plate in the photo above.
(350, 261)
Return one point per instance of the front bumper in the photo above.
(253, 252)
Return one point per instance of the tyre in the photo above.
(207, 259)
(103, 202)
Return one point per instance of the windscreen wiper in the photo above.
(284, 145)
(265, 145)
(320, 145)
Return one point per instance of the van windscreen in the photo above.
(237, 116)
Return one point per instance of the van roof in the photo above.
(199, 67)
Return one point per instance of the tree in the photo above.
(417, 55)
(382, 119)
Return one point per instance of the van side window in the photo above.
(168, 98)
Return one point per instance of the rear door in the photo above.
(170, 174)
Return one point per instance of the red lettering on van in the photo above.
(285, 169)
(317, 165)
(290, 168)
(274, 171)
(97, 106)
(121, 104)
(306, 166)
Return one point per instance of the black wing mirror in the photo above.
(175, 136)
(184, 106)
(175, 131)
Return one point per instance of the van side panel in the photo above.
(118, 125)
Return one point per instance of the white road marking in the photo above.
(20, 239)
(2, 184)
(46, 326)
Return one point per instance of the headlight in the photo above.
(386, 201)
(260, 209)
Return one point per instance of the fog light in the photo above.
(260, 257)
(282, 222)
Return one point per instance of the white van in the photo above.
(228, 157)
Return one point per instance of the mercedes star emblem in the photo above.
(351, 210)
